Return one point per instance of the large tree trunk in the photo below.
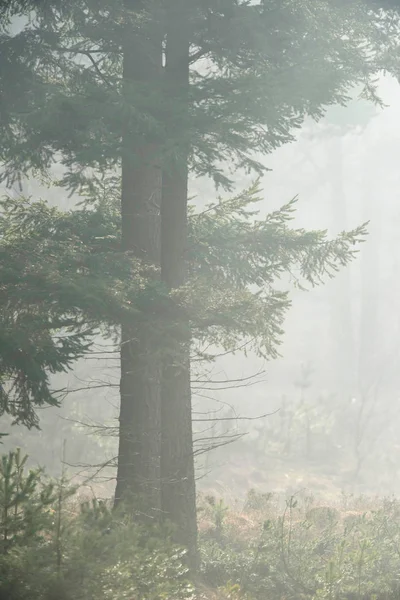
(138, 476)
(177, 459)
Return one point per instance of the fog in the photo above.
(334, 392)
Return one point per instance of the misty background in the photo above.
(335, 391)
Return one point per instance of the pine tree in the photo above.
(238, 79)
(23, 500)
(61, 283)
(240, 68)
(231, 297)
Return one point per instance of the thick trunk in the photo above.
(177, 459)
(138, 476)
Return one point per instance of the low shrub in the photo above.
(306, 554)
(55, 548)
(49, 550)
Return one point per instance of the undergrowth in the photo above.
(53, 547)
(305, 552)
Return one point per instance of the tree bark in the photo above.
(138, 475)
(177, 459)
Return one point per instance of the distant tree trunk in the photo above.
(138, 475)
(177, 459)
(369, 343)
(370, 277)
(344, 355)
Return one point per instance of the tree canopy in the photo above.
(256, 71)
(64, 279)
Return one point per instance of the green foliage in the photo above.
(257, 70)
(241, 265)
(308, 552)
(64, 279)
(24, 501)
(295, 556)
(52, 550)
(63, 94)
(61, 281)
(112, 558)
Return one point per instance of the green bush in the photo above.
(50, 549)
(54, 548)
(305, 554)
